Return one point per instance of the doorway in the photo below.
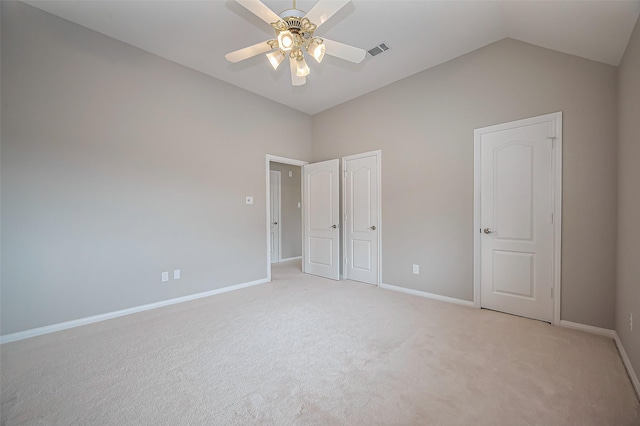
(517, 217)
(326, 250)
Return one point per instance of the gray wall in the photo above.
(291, 215)
(424, 126)
(628, 290)
(118, 165)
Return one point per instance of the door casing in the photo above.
(556, 170)
(276, 159)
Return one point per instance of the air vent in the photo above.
(378, 49)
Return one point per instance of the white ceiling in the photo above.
(421, 34)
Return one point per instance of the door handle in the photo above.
(334, 226)
(275, 223)
(489, 231)
(373, 228)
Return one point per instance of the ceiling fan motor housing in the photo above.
(300, 28)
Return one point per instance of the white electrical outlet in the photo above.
(416, 269)
(630, 321)
(176, 274)
(165, 277)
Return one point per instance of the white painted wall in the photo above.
(424, 125)
(628, 284)
(118, 165)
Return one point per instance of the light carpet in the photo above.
(308, 351)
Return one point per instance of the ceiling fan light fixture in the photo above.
(302, 68)
(295, 30)
(317, 49)
(275, 58)
(285, 40)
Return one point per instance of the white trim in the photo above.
(612, 334)
(557, 213)
(110, 315)
(427, 295)
(290, 258)
(588, 328)
(627, 363)
(276, 159)
(556, 119)
(378, 155)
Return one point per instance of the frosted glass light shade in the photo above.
(302, 68)
(285, 40)
(275, 58)
(316, 50)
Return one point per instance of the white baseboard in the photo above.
(110, 315)
(613, 335)
(290, 258)
(627, 364)
(589, 329)
(427, 295)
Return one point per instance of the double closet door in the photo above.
(351, 235)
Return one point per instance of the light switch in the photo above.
(176, 274)
(249, 200)
(165, 277)
(290, 173)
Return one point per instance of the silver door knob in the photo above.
(334, 226)
(373, 228)
(488, 231)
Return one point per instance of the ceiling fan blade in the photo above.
(325, 9)
(295, 80)
(344, 51)
(248, 52)
(260, 10)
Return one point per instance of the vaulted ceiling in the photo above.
(420, 34)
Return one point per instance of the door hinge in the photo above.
(551, 292)
(551, 217)
(553, 141)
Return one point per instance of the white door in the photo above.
(361, 221)
(321, 219)
(516, 218)
(274, 193)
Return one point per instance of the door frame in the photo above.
(556, 171)
(378, 155)
(279, 218)
(276, 159)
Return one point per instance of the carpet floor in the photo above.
(303, 350)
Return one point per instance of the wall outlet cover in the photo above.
(165, 277)
(176, 274)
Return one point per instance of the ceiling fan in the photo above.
(294, 35)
